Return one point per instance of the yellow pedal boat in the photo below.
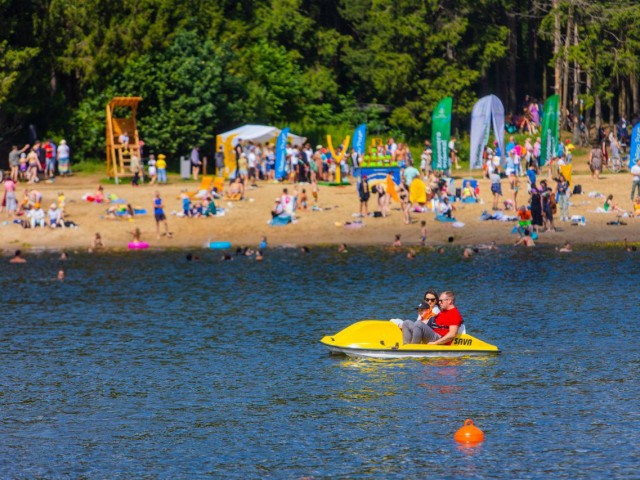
(383, 339)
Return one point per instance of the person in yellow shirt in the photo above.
(161, 165)
(569, 147)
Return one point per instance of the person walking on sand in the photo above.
(423, 233)
(196, 163)
(595, 161)
(496, 187)
(158, 212)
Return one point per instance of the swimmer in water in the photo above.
(567, 248)
(342, 248)
(397, 242)
(259, 256)
(17, 258)
(60, 274)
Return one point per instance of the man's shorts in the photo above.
(160, 217)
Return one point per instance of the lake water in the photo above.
(143, 365)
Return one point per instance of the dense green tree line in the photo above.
(203, 66)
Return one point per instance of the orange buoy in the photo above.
(469, 433)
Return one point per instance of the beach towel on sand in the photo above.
(280, 221)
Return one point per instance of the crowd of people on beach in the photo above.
(535, 195)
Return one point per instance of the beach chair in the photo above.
(472, 183)
(205, 185)
(218, 184)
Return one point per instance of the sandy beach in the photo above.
(245, 222)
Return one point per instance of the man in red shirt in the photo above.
(448, 321)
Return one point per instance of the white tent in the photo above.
(487, 112)
(259, 134)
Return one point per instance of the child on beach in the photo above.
(423, 233)
(153, 172)
(397, 242)
(136, 235)
(303, 199)
(161, 165)
(97, 242)
(186, 203)
(525, 240)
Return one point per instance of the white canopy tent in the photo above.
(259, 134)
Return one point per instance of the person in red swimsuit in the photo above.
(448, 321)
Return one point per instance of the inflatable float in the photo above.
(219, 245)
(138, 245)
(383, 339)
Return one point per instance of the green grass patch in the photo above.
(89, 166)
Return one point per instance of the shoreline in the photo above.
(245, 222)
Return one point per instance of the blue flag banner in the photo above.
(360, 139)
(281, 151)
(634, 152)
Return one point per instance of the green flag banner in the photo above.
(550, 130)
(440, 134)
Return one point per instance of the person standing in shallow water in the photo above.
(17, 258)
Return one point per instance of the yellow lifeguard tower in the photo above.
(120, 151)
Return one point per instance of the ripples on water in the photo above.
(143, 365)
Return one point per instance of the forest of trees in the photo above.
(203, 66)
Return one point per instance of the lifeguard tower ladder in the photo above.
(118, 154)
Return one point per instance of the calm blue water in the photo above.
(141, 365)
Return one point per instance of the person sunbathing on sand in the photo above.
(235, 190)
(609, 206)
(468, 192)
